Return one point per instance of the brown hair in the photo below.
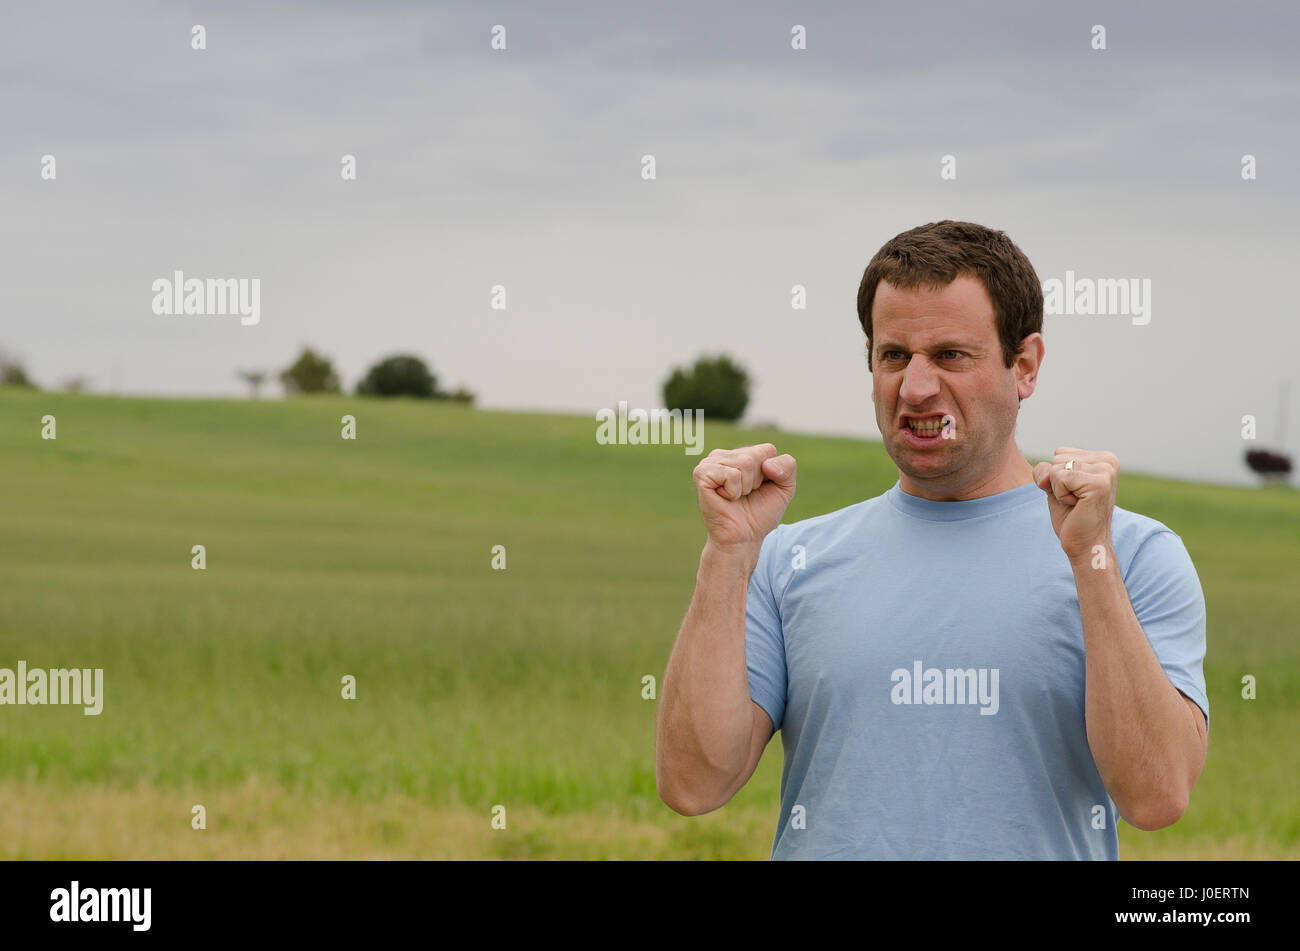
(933, 255)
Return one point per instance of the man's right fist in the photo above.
(743, 494)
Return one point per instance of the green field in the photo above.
(475, 687)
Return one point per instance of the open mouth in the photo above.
(924, 427)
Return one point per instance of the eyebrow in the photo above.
(946, 345)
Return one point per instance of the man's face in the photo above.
(936, 354)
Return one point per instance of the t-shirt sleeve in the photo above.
(1167, 599)
(764, 641)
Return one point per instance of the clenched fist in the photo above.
(743, 495)
(1081, 498)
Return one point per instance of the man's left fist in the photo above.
(1081, 498)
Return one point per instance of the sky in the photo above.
(774, 167)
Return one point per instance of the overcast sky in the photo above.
(774, 166)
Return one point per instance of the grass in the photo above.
(475, 687)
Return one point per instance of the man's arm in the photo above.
(1148, 744)
(1148, 739)
(708, 727)
(709, 733)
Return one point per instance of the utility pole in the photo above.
(1281, 414)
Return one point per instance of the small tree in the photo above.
(399, 375)
(12, 372)
(254, 379)
(717, 386)
(310, 373)
(1273, 466)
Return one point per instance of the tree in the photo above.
(1273, 466)
(254, 379)
(12, 372)
(76, 384)
(718, 386)
(459, 395)
(310, 373)
(399, 375)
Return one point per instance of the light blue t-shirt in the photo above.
(924, 664)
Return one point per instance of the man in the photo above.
(988, 661)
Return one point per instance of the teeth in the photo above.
(926, 426)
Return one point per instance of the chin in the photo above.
(920, 467)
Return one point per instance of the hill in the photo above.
(475, 687)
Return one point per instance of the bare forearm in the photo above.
(705, 713)
(1147, 748)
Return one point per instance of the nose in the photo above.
(920, 381)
